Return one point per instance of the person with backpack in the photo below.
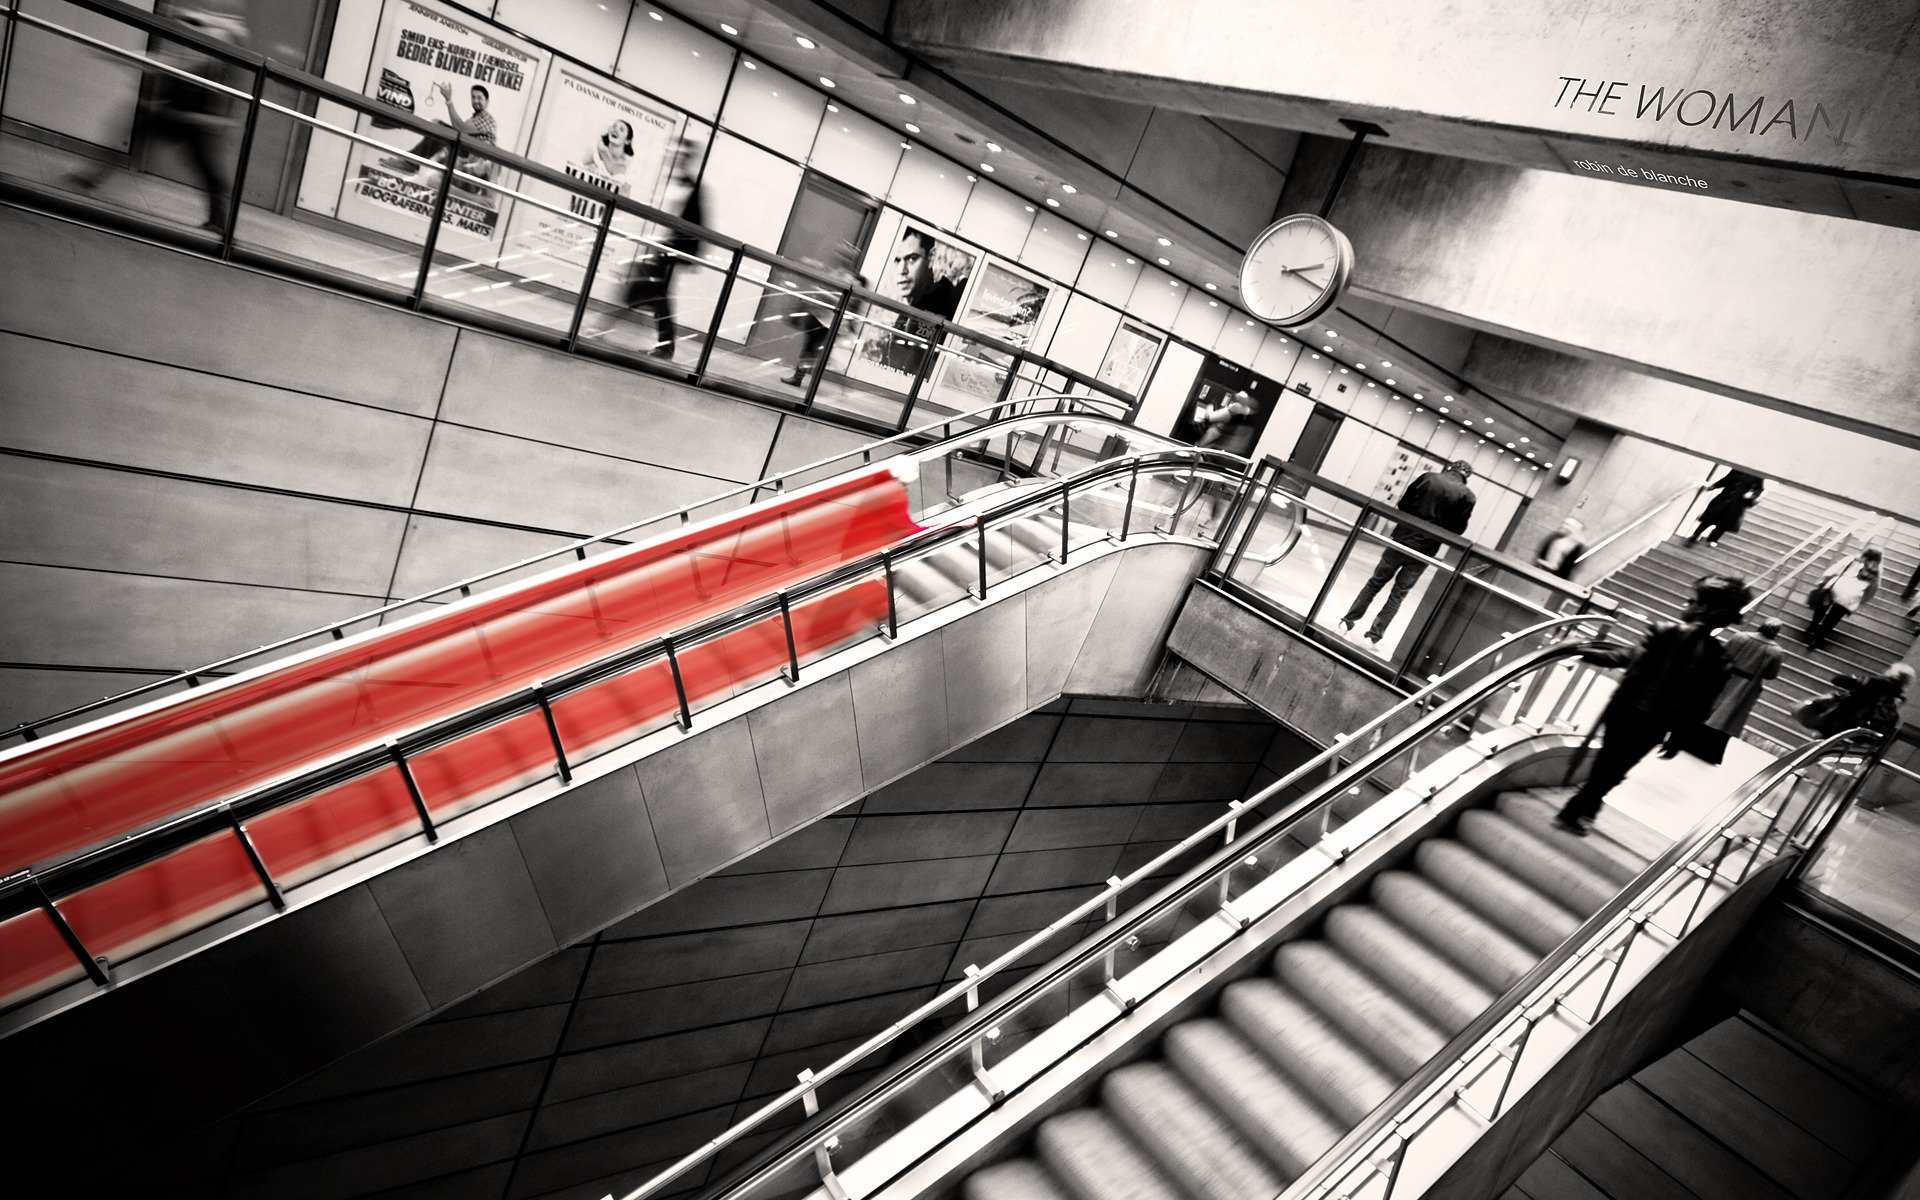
(1859, 702)
(1440, 497)
(1671, 683)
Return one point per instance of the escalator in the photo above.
(1344, 999)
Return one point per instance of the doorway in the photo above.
(825, 215)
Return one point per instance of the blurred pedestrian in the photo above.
(1438, 497)
(192, 115)
(1672, 681)
(1560, 551)
(1228, 428)
(1752, 659)
(1860, 702)
(650, 279)
(815, 297)
(1739, 491)
(1845, 590)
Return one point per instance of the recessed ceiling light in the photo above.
(696, 54)
(1163, 241)
(1163, 262)
(1331, 333)
(1111, 233)
(1213, 304)
(1316, 356)
(806, 43)
(830, 107)
(825, 82)
(1213, 287)
(1389, 382)
(1488, 420)
(906, 99)
(1081, 236)
(1443, 410)
(1369, 383)
(987, 167)
(973, 179)
(1511, 446)
(752, 66)
(1449, 399)
(994, 146)
(1385, 363)
(1343, 370)
(1068, 188)
(912, 128)
(906, 145)
(1173, 283)
(1052, 203)
(656, 16)
(1130, 262)
(1523, 439)
(1529, 454)
(1549, 466)
(1418, 396)
(729, 30)
(1328, 349)
(1028, 207)
(1249, 322)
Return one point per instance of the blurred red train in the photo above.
(129, 771)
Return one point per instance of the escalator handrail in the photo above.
(1197, 879)
(1458, 1050)
(22, 890)
(29, 729)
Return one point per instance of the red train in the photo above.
(130, 771)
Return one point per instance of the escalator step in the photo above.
(1475, 944)
(1094, 1159)
(1017, 1179)
(1273, 1112)
(1533, 811)
(1307, 1047)
(1193, 1144)
(1379, 1022)
(1534, 920)
(1444, 994)
(1506, 843)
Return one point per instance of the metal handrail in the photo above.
(1782, 560)
(101, 861)
(29, 730)
(1411, 1094)
(1439, 718)
(1693, 489)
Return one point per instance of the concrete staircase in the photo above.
(1655, 586)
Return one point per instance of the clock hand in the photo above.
(1302, 270)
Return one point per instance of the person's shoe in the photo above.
(794, 380)
(1374, 635)
(1346, 624)
(1572, 825)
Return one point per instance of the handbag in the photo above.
(1820, 598)
(1818, 714)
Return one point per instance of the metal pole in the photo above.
(94, 970)
(1362, 130)
(1706, 884)
(920, 377)
(679, 687)
(826, 349)
(1066, 520)
(980, 533)
(719, 315)
(593, 270)
(241, 160)
(274, 897)
(434, 222)
(1126, 516)
(1339, 561)
(793, 652)
(893, 611)
(413, 791)
(553, 731)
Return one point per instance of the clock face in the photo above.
(1295, 270)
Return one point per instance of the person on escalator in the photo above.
(1439, 497)
(1671, 683)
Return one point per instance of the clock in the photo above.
(1295, 270)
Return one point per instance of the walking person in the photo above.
(1845, 590)
(1438, 497)
(1228, 428)
(810, 300)
(1739, 490)
(1860, 702)
(1672, 681)
(1752, 659)
(1560, 551)
(650, 280)
(192, 116)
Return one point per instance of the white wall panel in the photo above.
(1240, 339)
(748, 192)
(1110, 275)
(1290, 413)
(1157, 297)
(997, 219)
(774, 110)
(675, 61)
(1276, 357)
(1085, 331)
(1167, 392)
(587, 29)
(931, 188)
(861, 153)
(1055, 248)
(1201, 317)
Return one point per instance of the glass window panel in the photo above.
(858, 152)
(773, 109)
(1201, 317)
(997, 219)
(671, 59)
(590, 30)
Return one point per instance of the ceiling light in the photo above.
(1444, 410)
(1389, 382)
(1385, 363)
(994, 146)
(1328, 349)
(806, 43)
(1331, 333)
(1523, 439)
(1488, 420)
(1343, 370)
(1511, 446)
(1028, 207)
(906, 145)
(752, 66)
(1163, 241)
(906, 99)
(912, 128)
(696, 54)
(825, 82)
(656, 16)
(1068, 188)
(1449, 399)
(1418, 396)
(1163, 262)
(973, 179)
(1173, 283)
(830, 107)
(1530, 455)
(1130, 262)
(1213, 304)
(1369, 383)
(729, 30)
(1249, 322)
(1213, 287)
(1316, 356)
(1052, 203)
(987, 167)
(1081, 236)
(1549, 466)
(1111, 233)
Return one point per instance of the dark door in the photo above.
(1311, 450)
(825, 215)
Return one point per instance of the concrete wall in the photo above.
(584, 1074)
(1620, 477)
(197, 460)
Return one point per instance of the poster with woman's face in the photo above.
(921, 269)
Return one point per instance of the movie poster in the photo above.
(437, 64)
(608, 138)
(921, 269)
(1005, 306)
(1130, 358)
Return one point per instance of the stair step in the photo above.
(1379, 1022)
(1511, 846)
(1475, 944)
(1306, 1046)
(1095, 1159)
(1529, 917)
(1443, 993)
(1276, 1113)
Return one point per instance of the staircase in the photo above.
(1657, 585)
(1241, 1102)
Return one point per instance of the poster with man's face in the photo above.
(1005, 306)
(438, 64)
(924, 270)
(610, 139)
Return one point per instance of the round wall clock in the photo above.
(1295, 270)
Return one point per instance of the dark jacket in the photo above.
(1872, 701)
(1672, 678)
(1738, 492)
(1439, 497)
